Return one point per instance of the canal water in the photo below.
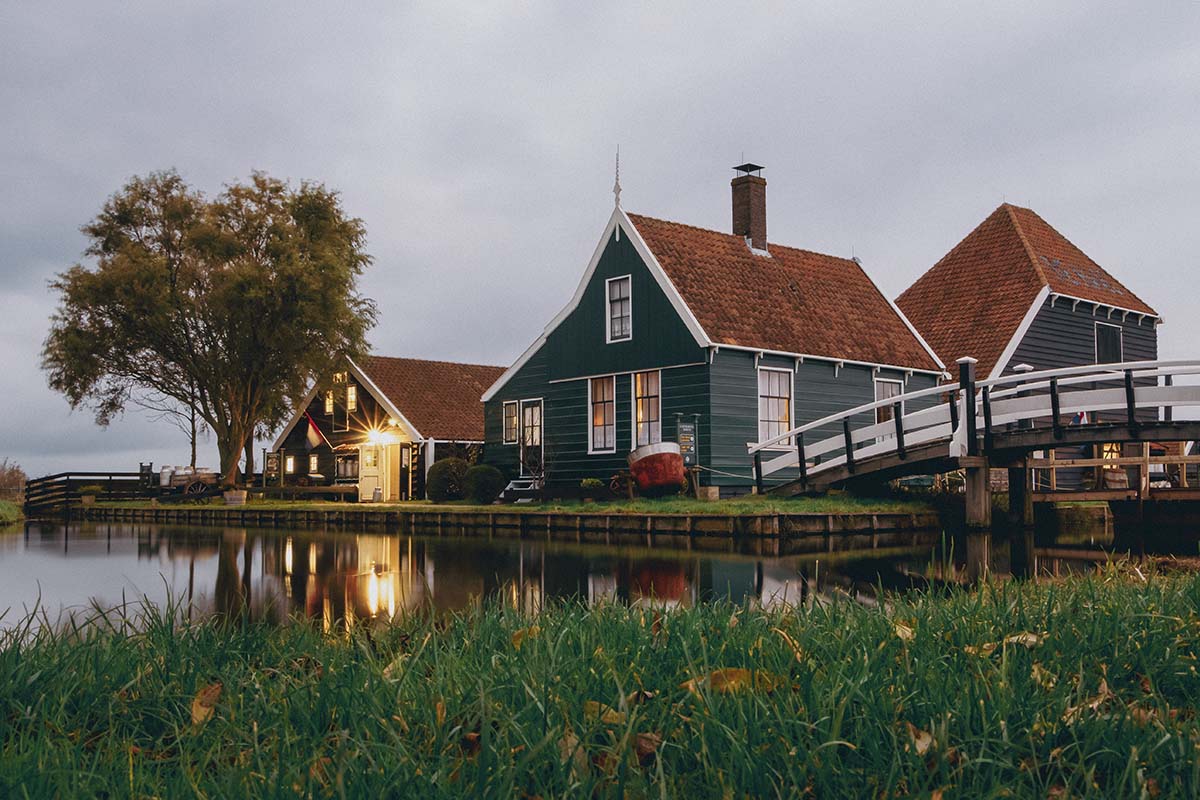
(336, 578)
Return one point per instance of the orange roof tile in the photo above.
(971, 302)
(440, 398)
(793, 301)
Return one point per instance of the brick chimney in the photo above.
(750, 205)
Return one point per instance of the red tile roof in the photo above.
(440, 398)
(794, 301)
(971, 302)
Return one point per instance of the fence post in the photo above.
(849, 445)
(987, 419)
(966, 382)
(758, 473)
(803, 460)
(898, 416)
(1055, 409)
(1169, 411)
(1130, 403)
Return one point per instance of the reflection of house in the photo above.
(1016, 292)
(382, 424)
(671, 322)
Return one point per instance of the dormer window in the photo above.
(351, 398)
(619, 303)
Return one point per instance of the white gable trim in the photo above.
(912, 329)
(1096, 305)
(616, 222)
(1019, 334)
(370, 386)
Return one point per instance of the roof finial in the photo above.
(617, 182)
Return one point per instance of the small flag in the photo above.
(1080, 419)
(313, 438)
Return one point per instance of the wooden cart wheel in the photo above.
(196, 489)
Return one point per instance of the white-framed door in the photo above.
(532, 435)
(370, 471)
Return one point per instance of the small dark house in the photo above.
(673, 324)
(381, 425)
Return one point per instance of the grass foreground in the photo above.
(1084, 687)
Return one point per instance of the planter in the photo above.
(235, 497)
(658, 469)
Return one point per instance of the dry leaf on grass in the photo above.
(919, 741)
(439, 711)
(1024, 638)
(205, 702)
(570, 752)
(519, 637)
(645, 747)
(733, 679)
(1042, 677)
(905, 633)
(609, 716)
(1075, 713)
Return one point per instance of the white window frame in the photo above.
(351, 398)
(314, 463)
(289, 465)
(633, 418)
(786, 444)
(875, 389)
(592, 450)
(1096, 342)
(541, 434)
(329, 402)
(608, 337)
(516, 434)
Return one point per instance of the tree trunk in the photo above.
(230, 443)
(193, 432)
(249, 471)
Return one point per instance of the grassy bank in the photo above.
(829, 504)
(9, 512)
(1081, 688)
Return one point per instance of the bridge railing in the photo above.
(984, 407)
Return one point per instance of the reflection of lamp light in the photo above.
(373, 593)
(287, 556)
(312, 559)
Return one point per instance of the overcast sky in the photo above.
(477, 143)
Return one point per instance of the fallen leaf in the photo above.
(319, 771)
(392, 670)
(571, 753)
(732, 679)
(1025, 639)
(645, 746)
(1042, 677)
(1074, 713)
(470, 744)
(921, 740)
(639, 696)
(905, 633)
(983, 650)
(205, 702)
(607, 715)
(790, 643)
(520, 636)
(439, 710)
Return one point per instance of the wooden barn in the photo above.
(381, 425)
(1017, 294)
(670, 323)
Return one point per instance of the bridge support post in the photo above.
(978, 491)
(1020, 496)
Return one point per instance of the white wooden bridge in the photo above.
(981, 424)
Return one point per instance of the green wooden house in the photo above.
(674, 324)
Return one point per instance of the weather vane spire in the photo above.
(617, 182)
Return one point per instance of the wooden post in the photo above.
(987, 419)
(1055, 409)
(803, 460)
(1020, 495)
(979, 492)
(758, 473)
(898, 417)
(1169, 411)
(1130, 404)
(966, 383)
(849, 445)
(1050, 454)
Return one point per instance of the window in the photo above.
(510, 422)
(289, 465)
(329, 402)
(620, 309)
(368, 457)
(885, 390)
(339, 377)
(1111, 451)
(647, 408)
(1108, 344)
(313, 463)
(774, 403)
(602, 400)
(351, 398)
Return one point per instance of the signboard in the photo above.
(685, 435)
(271, 467)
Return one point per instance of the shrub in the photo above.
(92, 489)
(484, 483)
(9, 512)
(445, 480)
(591, 483)
(12, 480)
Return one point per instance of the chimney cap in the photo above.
(748, 167)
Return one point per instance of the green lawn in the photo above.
(1085, 687)
(830, 504)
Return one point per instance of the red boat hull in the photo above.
(658, 469)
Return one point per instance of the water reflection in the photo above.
(347, 579)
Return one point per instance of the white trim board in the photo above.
(1011, 348)
(829, 359)
(628, 372)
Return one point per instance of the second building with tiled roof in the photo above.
(741, 338)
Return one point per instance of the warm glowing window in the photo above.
(352, 398)
(1110, 451)
(774, 403)
(329, 402)
(289, 464)
(604, 414)
(620, 309)
(368, 457)
(510, 422)
(647, 406)
(339, 377)
(313, 463)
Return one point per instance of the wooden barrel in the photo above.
(658, 468)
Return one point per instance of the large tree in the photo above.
(229, 306)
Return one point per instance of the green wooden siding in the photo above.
(577, 347)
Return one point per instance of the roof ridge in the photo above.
(435, 361)
(770, 244)
(1033, 259)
